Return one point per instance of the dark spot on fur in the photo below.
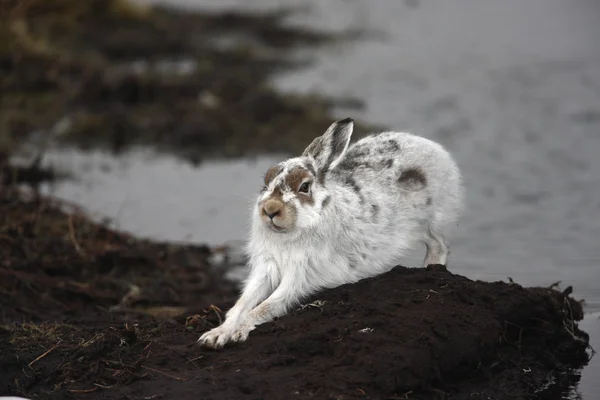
(311, 167)
(392, 146)
(349, 181)
(321, 176)
(326, 201)
(349, 164)
(375, 208)
(429, 201)
(387, 163)
(352, 263)
(359, 152)
(412, 179)
(352, 183)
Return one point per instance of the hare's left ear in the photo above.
(329, 149)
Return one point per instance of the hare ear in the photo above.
(329, 149)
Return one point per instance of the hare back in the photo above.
(401, 176)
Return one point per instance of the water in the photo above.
(512, 88)
(160, 196)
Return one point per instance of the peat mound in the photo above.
(412, 333)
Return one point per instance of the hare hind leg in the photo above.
(437, 247)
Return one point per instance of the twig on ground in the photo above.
(194, 359)
(164, 373)
(83, 390)
(102, 386)
(43, 355)
(572, 330)
(572, 333)
(217, 311)
(72, 236)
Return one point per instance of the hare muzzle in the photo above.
(276, 214)
(272, 209)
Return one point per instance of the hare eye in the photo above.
(305, 187)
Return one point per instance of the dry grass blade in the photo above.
(83, 390)
(217, 311)
(44, 354)
(164, 373)
(72, 236)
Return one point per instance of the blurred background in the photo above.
(160, 117)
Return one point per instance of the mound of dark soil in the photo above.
(88, 312)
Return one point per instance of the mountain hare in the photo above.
(338, 214)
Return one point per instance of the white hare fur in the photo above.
(338, 214)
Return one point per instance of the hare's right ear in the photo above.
(329, 149)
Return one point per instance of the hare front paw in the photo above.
(218, 337)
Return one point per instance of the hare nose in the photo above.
(272, 214)
(271, 210)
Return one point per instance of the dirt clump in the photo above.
(89, 312)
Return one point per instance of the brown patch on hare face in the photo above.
(272, 173)
(412, 179)
(299, 179)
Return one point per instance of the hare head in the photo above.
(295, 192)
